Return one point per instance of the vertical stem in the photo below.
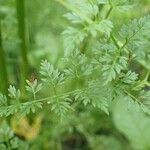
(8, 145)
(115, 42)
(108, 13)
(3, 69)
(34, 96)
(147, 75)
(20, 7)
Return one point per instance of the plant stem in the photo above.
(20, 7)
(144, 82)
(3, 68)
(8, 145)
(115, 42)
(34, 96)
(109, 11)
(132, 96)
(147, 75)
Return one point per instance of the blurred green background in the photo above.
(39, 24)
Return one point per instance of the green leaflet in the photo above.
(77, 65)
(60, 106)
(84, 8)
(130, 77)
(135, 31)
(50, 75)
(13, 92)
(83, 14)
(144, 96)
(33, 87)
(112, 66)
(73, 38)
(97, 95)
(136, 36)
(3, 100)
(103, 27)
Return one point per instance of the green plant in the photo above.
(3, 64)
(106, 72)
(20, 9)
(8, 140)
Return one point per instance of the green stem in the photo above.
(109, 11)
(3, 67)
(54, 89)
(115, 42)
(132, 96)
(20, 7)
(147, 75)
(144, 82)
(34, 96)
(8, 145)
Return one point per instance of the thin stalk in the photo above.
(3, 67)
(144, 82)
(115, 42)
(20, 7)
(34, 95)
(3, 70)
(132, 96)
(147, 75)
(8, 145)
(109, 11)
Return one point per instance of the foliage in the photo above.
(8, 140)
(104, 72)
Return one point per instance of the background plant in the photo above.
(95, 93)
